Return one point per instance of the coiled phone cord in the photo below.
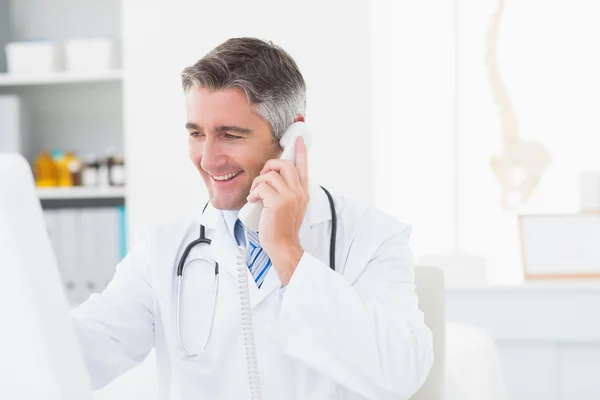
(247, 326)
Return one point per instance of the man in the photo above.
(351, 330)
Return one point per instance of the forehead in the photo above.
(206, 107)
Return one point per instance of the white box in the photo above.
(90, 55)
(560, 246)
(590, 191)
(32, 57)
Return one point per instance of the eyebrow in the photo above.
(222, 128)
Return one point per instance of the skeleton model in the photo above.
(520, 164)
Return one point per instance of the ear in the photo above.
(299, 118)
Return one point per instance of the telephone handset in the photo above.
(250, 213)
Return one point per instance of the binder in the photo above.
(88, 243)
(109, 239)
(88, 251)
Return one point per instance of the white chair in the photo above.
(429, 282)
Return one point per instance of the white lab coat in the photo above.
(356, 333)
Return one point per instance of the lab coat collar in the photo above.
(318, 209)
(224, 248)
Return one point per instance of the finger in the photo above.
(287, 170)
(264, 192)
(275, 180)
(302, 162)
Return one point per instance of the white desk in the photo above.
(548, 334)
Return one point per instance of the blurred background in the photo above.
(475, 121)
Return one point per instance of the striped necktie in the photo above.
(258, 261)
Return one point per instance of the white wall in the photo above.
(35, 19)
(329, 40)
(413, 94)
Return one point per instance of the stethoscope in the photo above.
(202, 239)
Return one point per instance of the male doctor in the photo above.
(351, 333)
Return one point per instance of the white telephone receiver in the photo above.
(250, 213)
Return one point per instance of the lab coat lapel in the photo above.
(225, 250)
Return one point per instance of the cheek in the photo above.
(247, 157)
(256, 162)
(274, 152)
(195, 153)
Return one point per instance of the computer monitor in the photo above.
(40, 357)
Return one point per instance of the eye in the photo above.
(196, 134)
(230, 136)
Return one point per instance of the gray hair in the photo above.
(266, 74)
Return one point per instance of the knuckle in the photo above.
(285, 164)
(258, 179)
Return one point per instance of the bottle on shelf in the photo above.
(104, 168)
(117, 170)
(45, 171)
(111, 170)
(63, 175)
(89, 173)
(65, 169)
(74, 166)
(68, 168)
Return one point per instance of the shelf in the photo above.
(80, 193)
(58, 78)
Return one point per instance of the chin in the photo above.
(226, 204)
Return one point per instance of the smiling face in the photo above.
(228, 143)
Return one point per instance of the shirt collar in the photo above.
(230, 217)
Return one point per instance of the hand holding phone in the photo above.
(250, 213)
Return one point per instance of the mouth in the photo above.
(226, 178)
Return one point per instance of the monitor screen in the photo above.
(41, 357)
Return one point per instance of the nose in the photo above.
(212, 154)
